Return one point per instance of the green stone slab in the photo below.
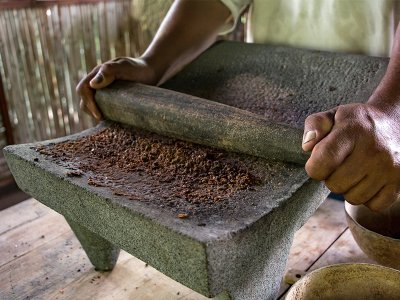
(250, 241)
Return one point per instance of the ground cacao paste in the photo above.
(138, 165)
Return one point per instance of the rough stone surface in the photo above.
(242, 257)
(200, 121)
(102, 254)
(202, 183)
(282, 84)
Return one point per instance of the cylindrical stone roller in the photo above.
(200, 121)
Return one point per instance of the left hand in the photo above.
(356, 151)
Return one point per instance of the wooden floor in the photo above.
(40, 258)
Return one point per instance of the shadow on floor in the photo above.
(10, 194)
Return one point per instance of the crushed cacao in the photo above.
(138, 165)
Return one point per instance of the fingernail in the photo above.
(310, 135)
(99, 78)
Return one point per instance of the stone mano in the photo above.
(242, 257)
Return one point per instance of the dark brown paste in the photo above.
(136, 164)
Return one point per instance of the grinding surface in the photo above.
(185, 179)
(201, 121)
(283, 84)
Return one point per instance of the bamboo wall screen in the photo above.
(45, 51)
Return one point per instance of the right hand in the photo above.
(122, 68)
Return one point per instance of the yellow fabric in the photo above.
(355, 26)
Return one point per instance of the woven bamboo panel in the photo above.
(45, 51)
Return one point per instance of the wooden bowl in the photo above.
(348, 281)
(377, 234)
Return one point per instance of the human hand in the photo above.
(122, 68)
(356, 151)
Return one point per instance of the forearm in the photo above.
(189, 28)
(387, 93)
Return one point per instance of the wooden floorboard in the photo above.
(42, 259)
(10, 194)
(312, 240)
(344, 250)
(30, 235)
(20, 214)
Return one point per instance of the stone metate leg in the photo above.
(102, 254)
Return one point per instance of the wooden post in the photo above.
(4, 115)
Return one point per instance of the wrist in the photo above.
(157, 68)
(386, 98)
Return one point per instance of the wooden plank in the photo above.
(22, 213)
(5, 173)
(57, 267)
(48, 267)
(19, 241)
(316, 235)
(344, 250)
(131, 279)
(70, 275)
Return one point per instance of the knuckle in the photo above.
(322, 162)
(326, 154)
(384, 199)
(107, 68)
(120, 59)
(355, 199)
(351, 200)
(374, 206)
(335, 187)
(315, 118)
(313, 171)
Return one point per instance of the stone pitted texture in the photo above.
(242, 251)
(102, 254)
(282, 84)
(200, 121)
(243, 254)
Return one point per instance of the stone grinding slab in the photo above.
(200, 251)
(242, 252)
